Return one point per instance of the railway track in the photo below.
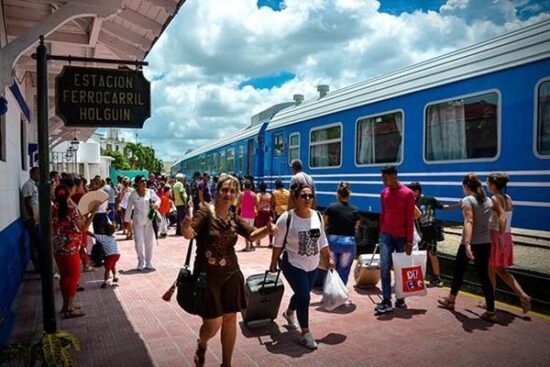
(538, 239)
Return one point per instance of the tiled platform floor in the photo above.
(132, 326)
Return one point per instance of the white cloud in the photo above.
(212, 46)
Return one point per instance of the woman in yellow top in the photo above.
(279, 202)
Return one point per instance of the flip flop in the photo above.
(525, 304)
(73, 313)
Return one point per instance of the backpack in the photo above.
(97, 255)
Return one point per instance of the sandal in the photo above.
(489, 316)
(75, 307)
(525, 304)
(70, 314)
(446, 303)
(199, 355)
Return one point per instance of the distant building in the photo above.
(111, 141)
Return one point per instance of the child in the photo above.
(164, 209)
(112, 254)
(428, 227)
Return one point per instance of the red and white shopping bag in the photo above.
(409, 271)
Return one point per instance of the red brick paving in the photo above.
(132, 326)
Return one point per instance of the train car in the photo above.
(483, 109)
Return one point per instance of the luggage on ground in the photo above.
(263, 293)
(367, 269)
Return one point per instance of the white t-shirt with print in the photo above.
(306, 237)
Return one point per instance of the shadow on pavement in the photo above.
(118, 343)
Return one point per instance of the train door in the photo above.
(278, 156)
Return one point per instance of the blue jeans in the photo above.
(342, 249)
(301, 282)
(388, 245)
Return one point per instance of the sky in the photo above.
(219, 63)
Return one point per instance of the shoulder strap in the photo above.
(203, 232)
(188, 257)
(288, 219)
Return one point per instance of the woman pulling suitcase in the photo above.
(301, 238)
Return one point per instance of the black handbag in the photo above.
(191, 286)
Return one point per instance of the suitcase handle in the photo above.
(265, 278)
(373, 253)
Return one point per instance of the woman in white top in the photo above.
(303, 242)
(123, 197)
(141, 201)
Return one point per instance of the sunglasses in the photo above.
(307, 196)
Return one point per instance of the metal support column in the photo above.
(48, 300)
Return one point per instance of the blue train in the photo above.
(483, 109)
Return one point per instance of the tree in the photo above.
(120, 162)
(142, 157)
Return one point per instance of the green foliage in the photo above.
(51, 349)
(142, 157)
(120, 162)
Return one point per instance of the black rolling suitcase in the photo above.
(264, 293)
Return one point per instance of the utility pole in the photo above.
(48, 298)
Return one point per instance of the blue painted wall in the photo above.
(14, 258)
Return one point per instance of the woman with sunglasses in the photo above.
(216, 229)
(302, 243)
(141, 201)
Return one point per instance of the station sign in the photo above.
(94, 97)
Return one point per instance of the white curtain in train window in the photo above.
(399, 123)
(366, 144)
(446, 131)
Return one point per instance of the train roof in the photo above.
(528, 44)
(228, 139)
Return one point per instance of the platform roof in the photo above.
(127, 33)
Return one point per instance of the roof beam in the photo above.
(94, 32)
(141, 21)
(73, 9)
(167, 5)
(117, 44)
(125, 34)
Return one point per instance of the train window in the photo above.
(216, 163)
(241, 157)
(230, 160)
(379, 139)
(464, 128)
(293, 147)
(325, 146)
(543, 119)
(222, 162)
(278, 145)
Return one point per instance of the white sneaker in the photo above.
(291, 320)
(308, 341)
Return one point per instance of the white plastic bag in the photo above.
(335, 293)
(409, 271)
(416, 239)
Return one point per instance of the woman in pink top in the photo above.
(248, 209)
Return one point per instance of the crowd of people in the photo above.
(299, 236)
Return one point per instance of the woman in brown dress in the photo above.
(216, 229)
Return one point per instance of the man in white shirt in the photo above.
(299, 178)
(29, 192)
